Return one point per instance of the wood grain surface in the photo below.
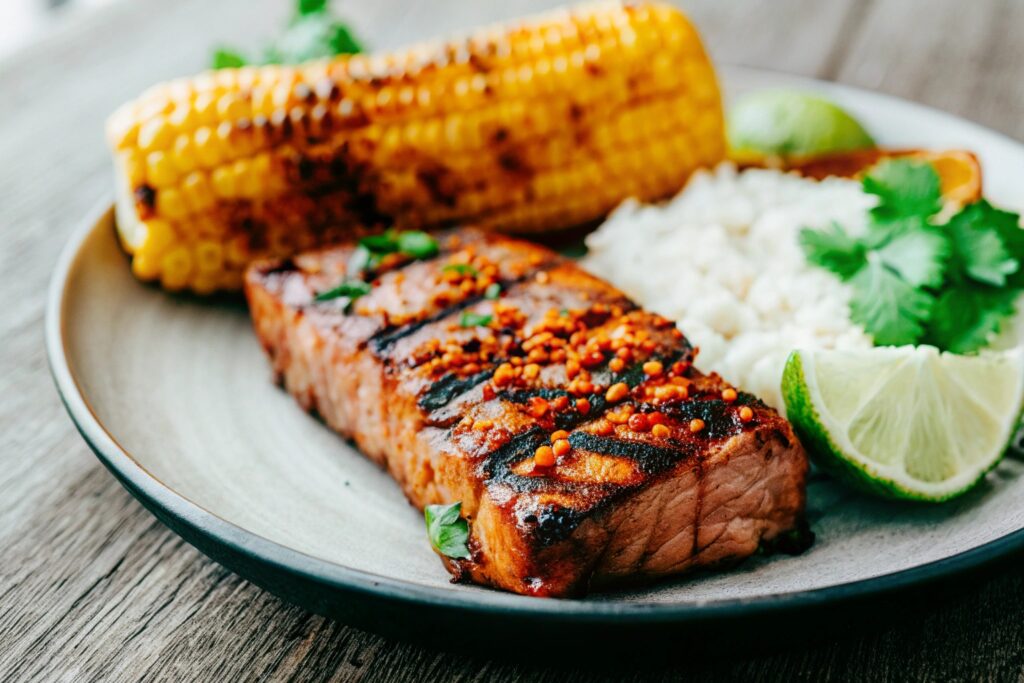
(92, 587)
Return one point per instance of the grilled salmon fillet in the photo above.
(584, 447)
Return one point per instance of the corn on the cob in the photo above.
(537, 126)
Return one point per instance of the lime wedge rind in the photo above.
(832, 450)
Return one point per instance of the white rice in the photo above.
(722, 259)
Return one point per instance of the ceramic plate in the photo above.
(174, 395)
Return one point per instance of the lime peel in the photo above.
(828, 439)
(787, 123)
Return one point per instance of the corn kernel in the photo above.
(209, 256)
(146, 267)
(207, 147)
(170, 203)
(176, 266)
(160, 170)
(155, 134)
(155, 236)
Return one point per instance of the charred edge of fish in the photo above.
(650, 459)
(443, 391)
(551, 523)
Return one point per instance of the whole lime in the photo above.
(786, 123)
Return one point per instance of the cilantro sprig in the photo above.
(371, 249)
(350, 289)
(471, 319)
(915, 279)
(447, 530)
(313, 33)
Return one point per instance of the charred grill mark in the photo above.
(563, 420)
(650, 459)
(496, 465)
(442, 392)
(387, 336)
(719, 420)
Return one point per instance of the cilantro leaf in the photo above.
(311, 36)
(384, 243)
(313, 33)
(904, 187)
(889, 309)
(311, 6)
(981, 236)
(228, 58)
(461, 269)
(447, 530)
(918, 255)
(833, 249)
(965, 317)
(353, 289)
(471, 319)
(417, 244)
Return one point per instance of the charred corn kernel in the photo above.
(729, 395)
(544, 457)
(660, 431)
(604, 428)
(482, 425)
(583, 406)
(209, 256)
(696, 425)
(558, 435)
(746, 414)
(277, 143)
(560, 447)
(616, 365)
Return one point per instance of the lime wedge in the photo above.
(785, 123)
(905, 422)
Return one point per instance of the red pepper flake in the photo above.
(638, 422)
(538, 406)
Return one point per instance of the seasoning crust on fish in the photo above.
(585, 448)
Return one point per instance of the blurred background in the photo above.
(22, 20)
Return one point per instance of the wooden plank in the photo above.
(92, 587)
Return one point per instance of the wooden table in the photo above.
(93, 587)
